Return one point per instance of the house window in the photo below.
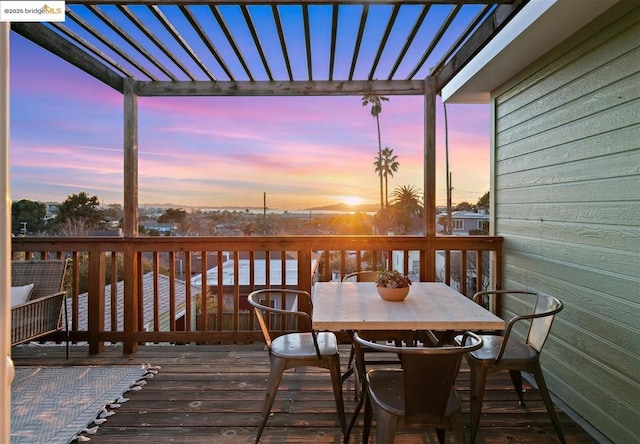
(458, 224)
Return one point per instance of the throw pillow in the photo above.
(20, 295)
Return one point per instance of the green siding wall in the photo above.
(566, 172)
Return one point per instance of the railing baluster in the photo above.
(204, 310)
(172, 291)
(113, 293)
(188, 297)
(156, 292)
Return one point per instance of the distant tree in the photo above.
(81, 210)
(114, 212)
(464, 206)
(263, 227)
(389, 166)
(384, 220)
(408, 206)
(73, 226)
(193, 224)
(27, 216)
(376, 108)
(173, 216)
(483, 202)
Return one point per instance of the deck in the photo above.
(213, 394)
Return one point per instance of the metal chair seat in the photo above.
(514, 352)
(301, 345)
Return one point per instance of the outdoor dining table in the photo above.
(429, 307)
(352, 306)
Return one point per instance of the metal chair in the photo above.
(508, 353)
(361, 276)
(421, 392)
(357, 276)
(291, 350)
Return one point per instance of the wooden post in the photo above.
(130, 216)
(130, 307)
(430, 175)
(130, 159)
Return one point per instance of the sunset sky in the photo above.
(67, 137)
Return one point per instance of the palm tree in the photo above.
(390, 165)
(376, 109)
(408, 205)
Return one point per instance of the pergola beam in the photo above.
(281, 88)
(49, 40)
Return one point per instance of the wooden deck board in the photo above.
(213, 394)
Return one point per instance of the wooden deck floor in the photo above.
(213, 394)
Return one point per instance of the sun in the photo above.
(352, 200)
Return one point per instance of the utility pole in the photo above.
(446, 147)
(264, 214)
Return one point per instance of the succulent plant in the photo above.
(392, 279)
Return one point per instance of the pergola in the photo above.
(265, 48)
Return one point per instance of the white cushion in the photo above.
(20, 295)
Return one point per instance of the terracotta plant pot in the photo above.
(393, 294)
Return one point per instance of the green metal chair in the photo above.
(508, 353)
(300, 349)
(421, 393)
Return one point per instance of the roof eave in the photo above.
(536, 29)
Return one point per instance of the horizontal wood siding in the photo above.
(567, 202)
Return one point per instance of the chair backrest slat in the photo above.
(547, 306)
(427, 385)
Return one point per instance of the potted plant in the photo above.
(392, 285)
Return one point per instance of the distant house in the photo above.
(148, 286)
(163, 229)
(464, 223)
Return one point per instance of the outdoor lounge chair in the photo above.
(41, 314)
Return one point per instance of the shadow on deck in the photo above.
(213, 394)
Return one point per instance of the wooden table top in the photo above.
(429, 306)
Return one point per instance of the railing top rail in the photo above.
(256, 243)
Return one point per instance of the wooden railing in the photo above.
(157, 282)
